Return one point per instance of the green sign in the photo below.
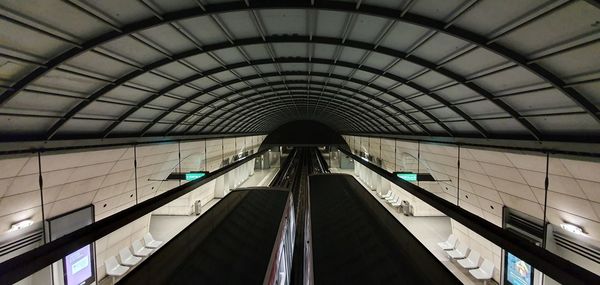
(194, 175)
(411, 177)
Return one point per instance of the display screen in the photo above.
(78, 266)
(517, 271)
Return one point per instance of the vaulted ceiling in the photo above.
(518, 69)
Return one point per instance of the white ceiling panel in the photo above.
(280, 22)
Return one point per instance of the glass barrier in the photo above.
(42, 277)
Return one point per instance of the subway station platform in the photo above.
(299, 142)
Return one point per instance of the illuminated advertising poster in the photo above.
(78, 267)
(517, 271)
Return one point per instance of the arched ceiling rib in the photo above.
(300, 60)
(314, 74)
(362, 113)
(437, 68)
(351, 117)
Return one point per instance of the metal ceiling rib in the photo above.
(352, 116)
(346, 106)
(336, 91)
(251, 41)
(316, 74)
(301, 60)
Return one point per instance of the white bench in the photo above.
(113, 268)
(392, 197)
(386, 195)
(471, 262)
(127, 258)
(139, 249)
(150, 242)
(461, 251)
(395, 200)
(449, 244)
(484, 272)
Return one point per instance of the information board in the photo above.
(78, 267)
(518, 272)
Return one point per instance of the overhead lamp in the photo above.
(20, 225)
(572, 228)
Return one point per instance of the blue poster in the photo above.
(517, 271)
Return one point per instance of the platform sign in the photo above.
(194, 175)
(410, 177)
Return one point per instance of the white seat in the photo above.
(461, 251)
(113, 268)
(127, 258)
(150, 242)
(398, 203)
(472, 261)
(395, 200)
(139, 249)
(392, 197)
(484, 272)
(449, 244)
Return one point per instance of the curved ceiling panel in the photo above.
(482, 69)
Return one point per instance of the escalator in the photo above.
(338, 234)
(352, 243)
(230, 244)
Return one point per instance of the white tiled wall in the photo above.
(106, 178)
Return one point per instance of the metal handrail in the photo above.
(273, 268)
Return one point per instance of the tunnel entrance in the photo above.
(304, 133)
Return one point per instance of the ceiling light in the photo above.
(572, 228)
(20, 225)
